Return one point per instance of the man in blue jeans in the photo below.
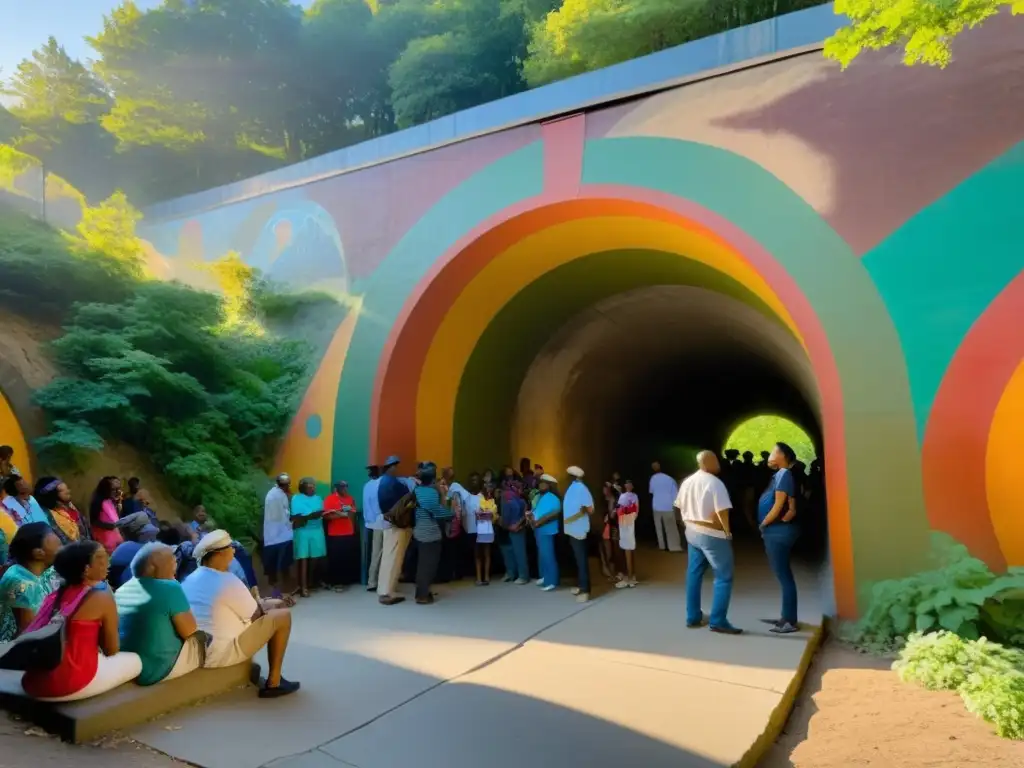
(776, 513)
(704, 504)
(544, 520)
(577, 507)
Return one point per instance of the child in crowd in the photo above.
(627, 509)
(486, 516)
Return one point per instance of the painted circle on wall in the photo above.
(973, 418)
(314, 426)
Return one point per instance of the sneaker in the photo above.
(480, 583)
(623, 584)
(520, 582)
(391, 600)
(539, 582)
(727, 629)
(508, 578)
(633, 583)
(583, 597)
(283, 688)
(575, 590)
(487, 582)
(698, 623)
(548, 588)
(785, 628)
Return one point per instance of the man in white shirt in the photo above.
(704, 504)
(375, 525)
(278, 552)
(663, 490)
(238, 625)
(465, 502)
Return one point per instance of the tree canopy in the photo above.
(191, 94)
(925, 28)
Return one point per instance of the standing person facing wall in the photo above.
(663, 489)
(390, 491)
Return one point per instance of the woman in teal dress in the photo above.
(310, 541)
(29, 578)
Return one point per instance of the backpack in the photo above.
(403, 513)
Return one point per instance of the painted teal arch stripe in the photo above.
(882, 449)
(939, 271)
(505, 182)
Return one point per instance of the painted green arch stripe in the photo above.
(515, 177)
(495, 370)
(939, 271)
(882, 450)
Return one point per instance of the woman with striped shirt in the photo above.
(431, 514)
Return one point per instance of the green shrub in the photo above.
(989, 677)
(165, 372)
(960, 595)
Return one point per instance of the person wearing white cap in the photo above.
(278, 535)
(239, 624)
(547, 509)
(578, 505)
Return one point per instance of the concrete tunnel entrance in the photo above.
(660, 372)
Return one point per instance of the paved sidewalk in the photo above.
(507, 676)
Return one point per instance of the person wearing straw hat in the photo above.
(579, 505)
(239, 624)
(547, 509)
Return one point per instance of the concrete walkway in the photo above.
(507, 676)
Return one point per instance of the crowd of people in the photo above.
(148, 600)
(136, 598)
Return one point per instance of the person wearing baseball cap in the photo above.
(578, 506)
(278, 536)
(239, 625)
(342, 543)
(390, 491)
(547, 510)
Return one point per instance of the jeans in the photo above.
(547, 563)
(704, 550)
(514, 554)
(426, 566)
(579, 550)
(779, 539)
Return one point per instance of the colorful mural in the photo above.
(867, 241)
(14, 436)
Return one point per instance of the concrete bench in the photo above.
(123, 707)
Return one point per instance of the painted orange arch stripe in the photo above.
(516, 267)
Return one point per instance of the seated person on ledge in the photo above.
(238, 624)
(156, 621)
(93, 662)
(137, 530)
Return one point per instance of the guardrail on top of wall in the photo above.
(765, 39)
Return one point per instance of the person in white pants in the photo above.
(663, 490)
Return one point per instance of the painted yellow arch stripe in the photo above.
(11, 434)
(1002, 470)
(515, 268)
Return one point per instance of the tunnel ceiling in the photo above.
(657, 366)
(624, 301)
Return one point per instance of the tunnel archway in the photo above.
(418, 356)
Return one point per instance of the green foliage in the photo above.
(582, 35)
(43, 276)
(960, 595)
(109, 228)
(188, 95)
(760, 433)
(186, 377)
(925, 28)
(988, 676)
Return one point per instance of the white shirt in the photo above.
(277, 526)
(577, 496)
(701, 496)
(371, 507)
(223, 608)
(663, 490)
(470, 506)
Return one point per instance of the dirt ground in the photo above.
(855, 711)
